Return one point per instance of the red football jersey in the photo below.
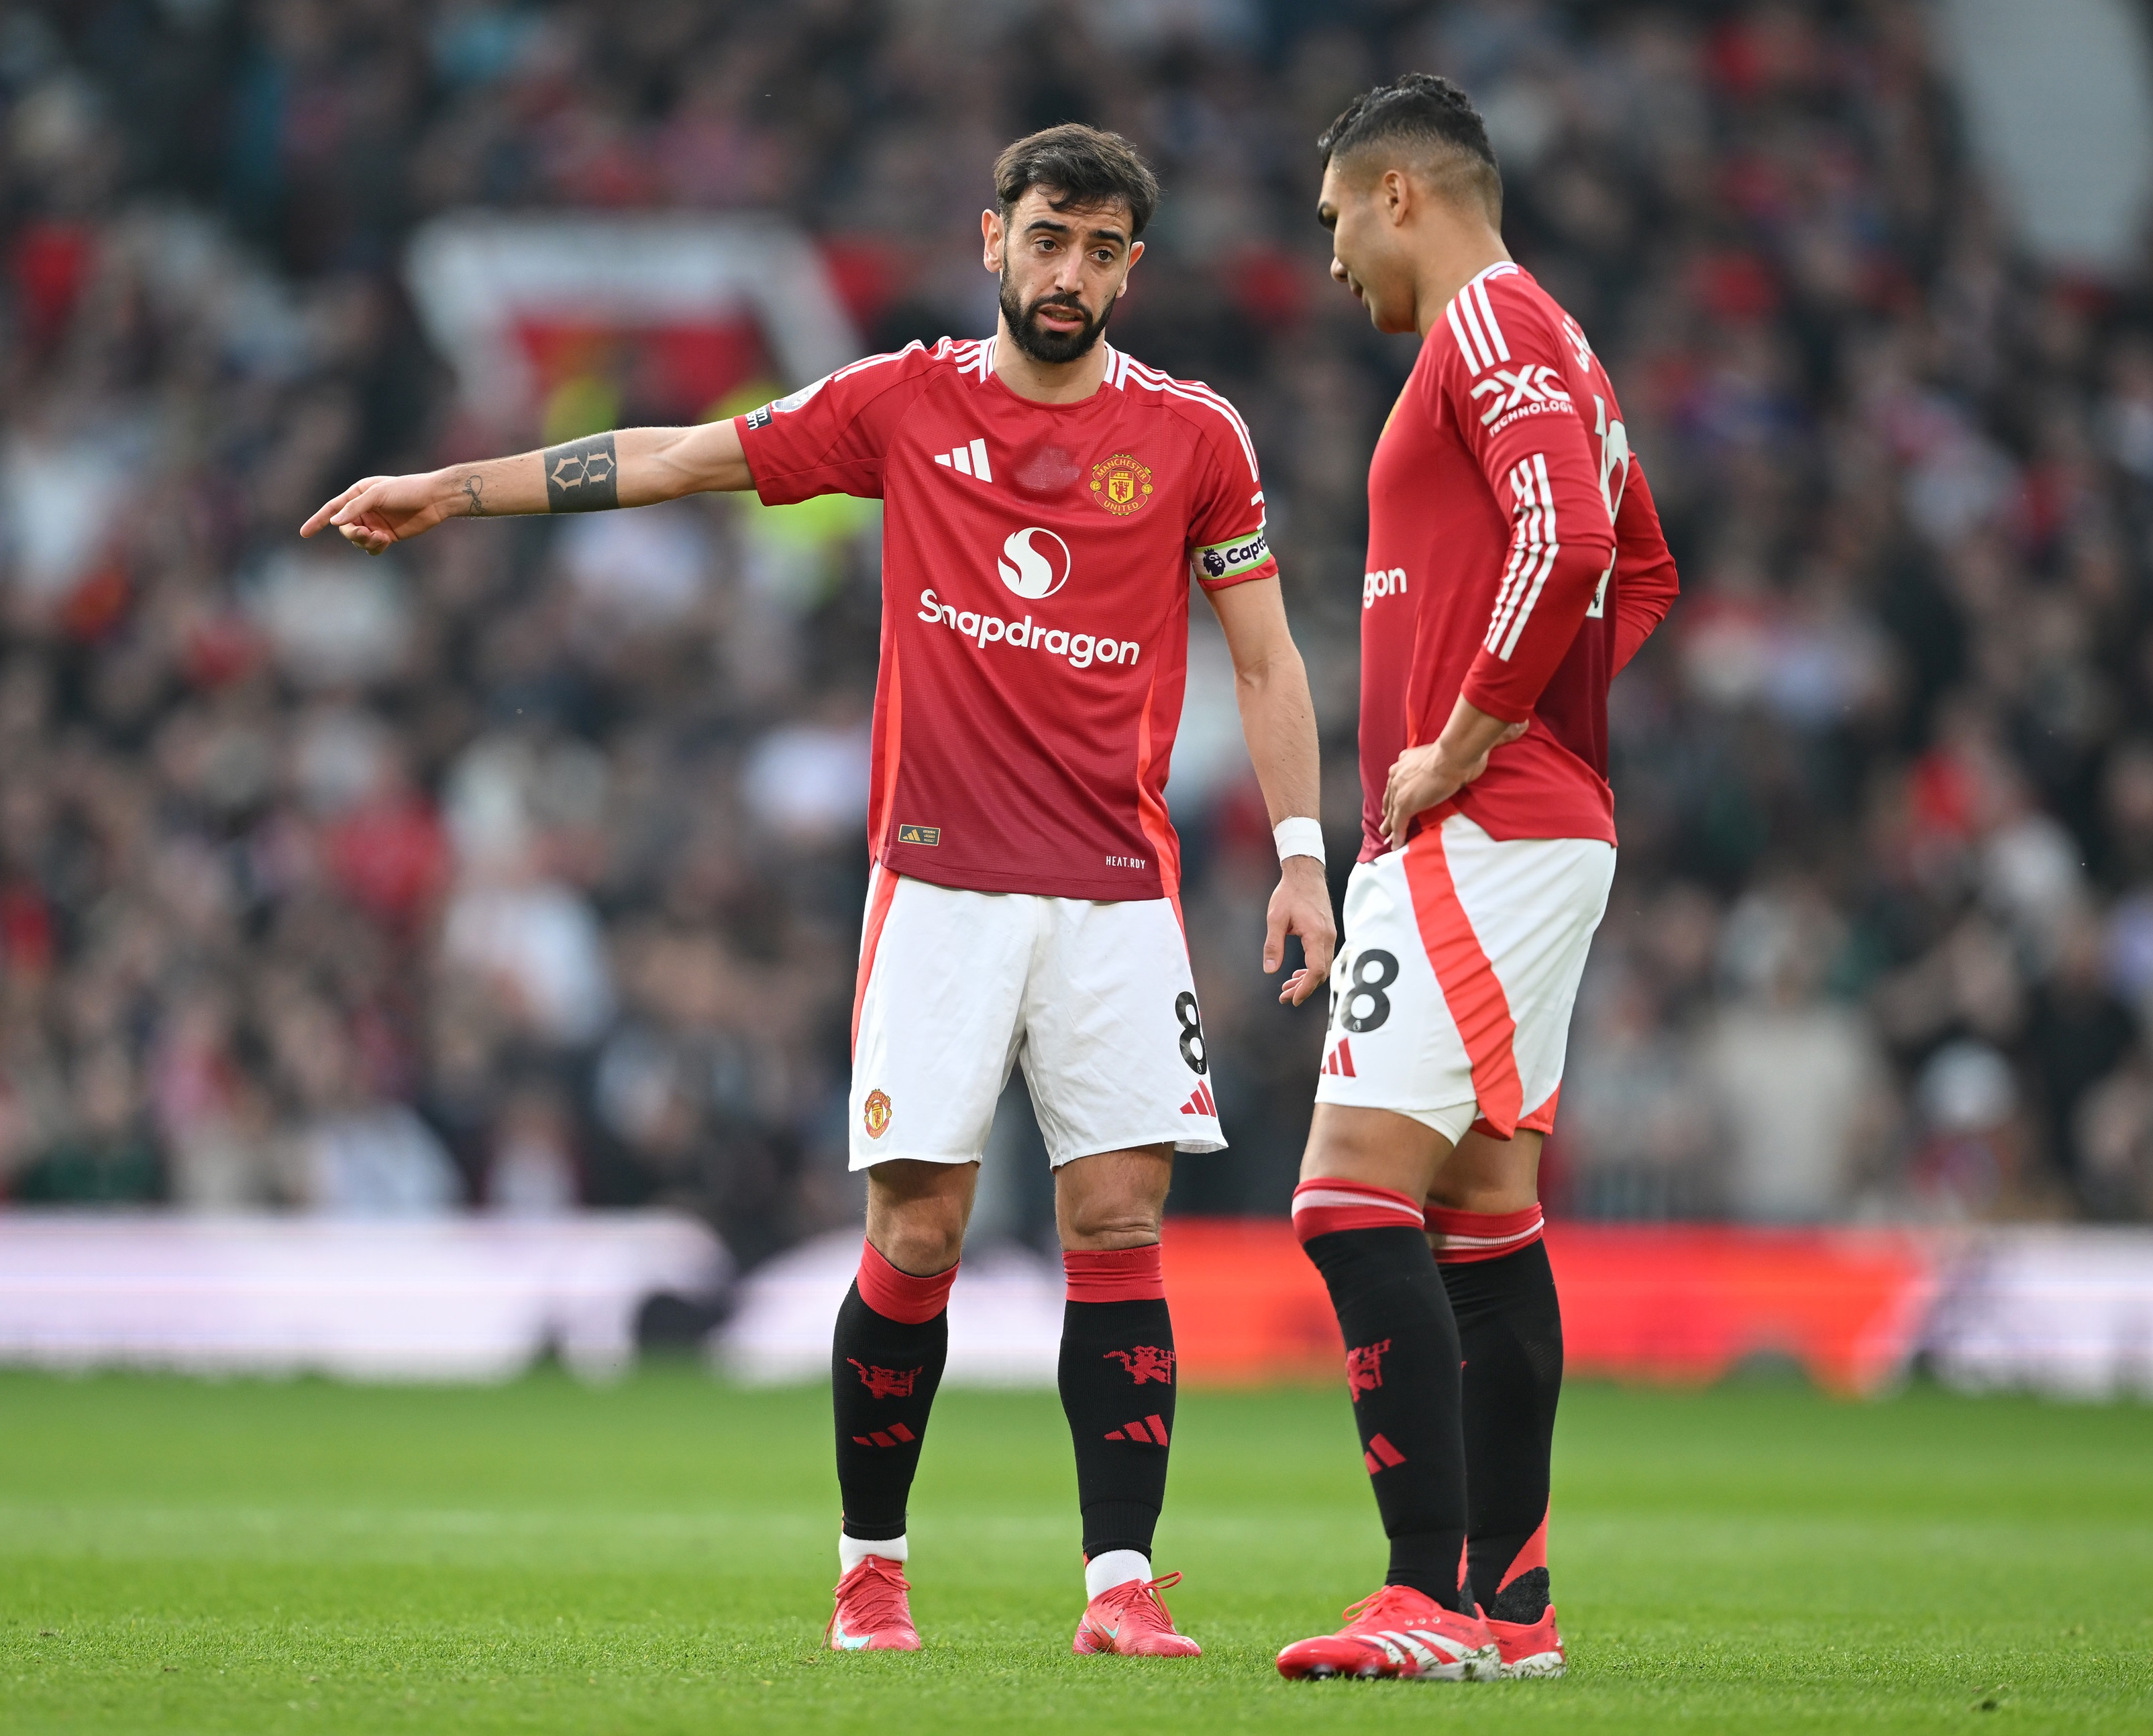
(1514, 556)
(1035, 635)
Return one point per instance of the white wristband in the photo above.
(1299, 836)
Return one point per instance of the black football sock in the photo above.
(1496, 1267)
(892, 1339)
(1401, 1370)
(1118, 1390)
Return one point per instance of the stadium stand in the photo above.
(522, 872)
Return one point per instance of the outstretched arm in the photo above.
(630, 467)
(1278, 720)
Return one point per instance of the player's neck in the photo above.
(1454, 257)
(1048, 382)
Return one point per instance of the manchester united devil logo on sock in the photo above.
(1146, 1362)
(886, 1382)
(1364, 1368)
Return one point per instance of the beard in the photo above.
(1042, 343)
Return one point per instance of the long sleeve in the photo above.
(1646, 584)
(1507, 387)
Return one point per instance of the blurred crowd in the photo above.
(522, 869)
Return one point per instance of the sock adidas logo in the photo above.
(1381, 1455)
(1340, 1061)
(896, 1435)
(1151, 1429)
(968, 460)
(1203, 1103)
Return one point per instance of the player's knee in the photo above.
(922, 1234)
(1372, 1147)
(1112, 1222)
(921, 1241)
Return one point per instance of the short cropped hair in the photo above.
(1426, 116)
(1079, 167)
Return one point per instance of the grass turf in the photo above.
(656, 1556)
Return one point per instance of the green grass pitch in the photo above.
(656, 1556)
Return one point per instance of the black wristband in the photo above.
(583, 476)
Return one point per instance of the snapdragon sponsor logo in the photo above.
(1083, 649)
(1390, 581)
(1035, 562)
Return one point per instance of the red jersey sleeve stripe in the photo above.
(873, 361)
(1465, 346)
(1546, 562)
(1536, 539)
(1521, 485)
(1196, 392)
(1487, 321)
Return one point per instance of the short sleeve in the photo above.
(832, 437)
(1228, 544)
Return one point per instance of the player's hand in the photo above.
(1301, 906)
(1425, 777)
(377, 512)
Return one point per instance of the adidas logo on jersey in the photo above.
(967, 461)
(1203, 1103)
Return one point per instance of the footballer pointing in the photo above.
(1048, 499)
(1515, 564)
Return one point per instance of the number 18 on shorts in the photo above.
(1094, 999)
(1451, 997)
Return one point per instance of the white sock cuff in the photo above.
(853, 1551)
(1114, 1567)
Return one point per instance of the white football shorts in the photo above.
(1451, 997)
(1095, 1000)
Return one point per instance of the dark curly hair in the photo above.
(1429, 118)
(1080, 167)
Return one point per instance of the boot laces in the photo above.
(1140, 1599)
(1386, 1607)
(871, 1597)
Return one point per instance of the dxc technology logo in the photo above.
(1031, 571)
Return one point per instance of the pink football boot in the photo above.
(873, 1613)
(1399, 1632)
(1131, 1619)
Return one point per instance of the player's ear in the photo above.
(1136, 253)
(1397, 191)
(990, 239)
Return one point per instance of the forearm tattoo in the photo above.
(583, 477)
(474, 487)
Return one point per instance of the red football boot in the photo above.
(873, 1612)
(1131, 1619)
(1528, 1648)
(1399, 1632)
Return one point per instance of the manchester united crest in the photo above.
(1120, 484)
(876, 1114)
